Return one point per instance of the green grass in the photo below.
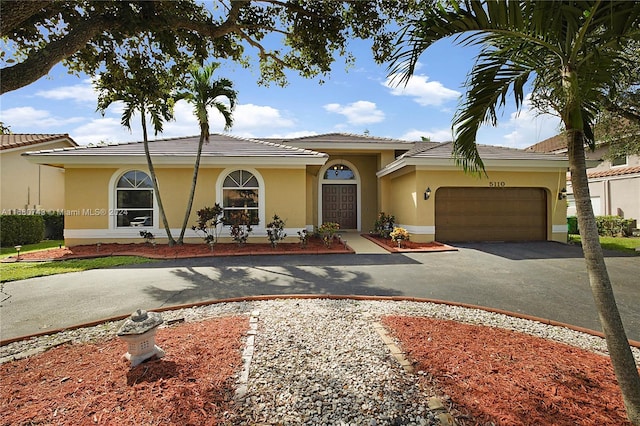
(43, 245)
(23, 270)
(626, 244)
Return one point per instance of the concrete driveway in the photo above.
(546, 279)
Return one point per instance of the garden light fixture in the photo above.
(139, 331)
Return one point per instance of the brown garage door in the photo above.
(491, 214)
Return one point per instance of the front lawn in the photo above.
(23, 270)
(626, 244)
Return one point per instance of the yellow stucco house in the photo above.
(27, 187)
(307, 181)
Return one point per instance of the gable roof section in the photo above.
(221, 149)
(20, 140)
(347, 141)
(440, 155)
(554, 144)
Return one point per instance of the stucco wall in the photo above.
(90, 214)
(25, 185)
(616, 195)
(285, 195)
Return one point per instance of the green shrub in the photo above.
(572, 223)
(21, 229)
(612, 226)
(53, 226)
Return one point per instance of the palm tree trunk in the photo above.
(619, 350)
(194, 181)
(154, 180)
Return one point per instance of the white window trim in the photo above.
(257, 229)
(356, 181)
(626, 163)
(113, 218)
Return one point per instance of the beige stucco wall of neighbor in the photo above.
(616, 195)
(28, 186)
(418, 215)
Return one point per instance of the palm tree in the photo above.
(146, 95)
(571, 53)
(204, 92)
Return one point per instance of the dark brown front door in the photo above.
(339, 204)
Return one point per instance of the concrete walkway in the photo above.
(546, 280)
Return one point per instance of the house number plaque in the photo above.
(497, 184)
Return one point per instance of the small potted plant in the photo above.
(399, 235)
(327, 232)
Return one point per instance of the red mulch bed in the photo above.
(495, 376)
(92, 384)
(408, 246)
(489, 376)
(163, 251)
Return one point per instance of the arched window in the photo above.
(339, 172)
(240, 194)
(134, 199)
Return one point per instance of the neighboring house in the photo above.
(306, 181)
(614, 185)
(27, 187)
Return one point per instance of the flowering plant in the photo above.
(384, 225)
(399, 234)
(275, 230)
(327, 231)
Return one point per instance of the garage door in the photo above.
(491, 214)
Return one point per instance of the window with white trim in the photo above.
(240, 193)
(620, 160)
(134, 199)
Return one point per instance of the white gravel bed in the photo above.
(319, 361)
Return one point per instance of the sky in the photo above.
(358, 99)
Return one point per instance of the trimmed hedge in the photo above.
(21, 229)
(613, 226)
(53, 226)
(608, 226)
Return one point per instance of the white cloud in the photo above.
(529, 126)
(424, 92)
(436, 135)
(82, 93)
(107, 130)
(26, 119)
(360, 112)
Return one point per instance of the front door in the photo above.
(339, 205)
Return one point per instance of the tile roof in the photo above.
(338, 138)
(552, 144)
(16, 140)
(219, 145)
(487, 152)
(616, 171)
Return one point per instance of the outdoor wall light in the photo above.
(427, 193)
(562, 194)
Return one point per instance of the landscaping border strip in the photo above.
(436, 248)
(546, 321)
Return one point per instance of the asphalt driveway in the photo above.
(546, 280)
